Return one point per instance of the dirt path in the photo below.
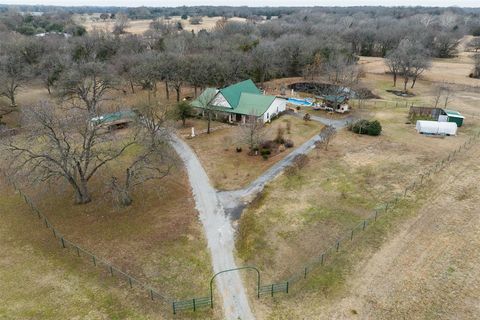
(235, 201)
(219, 233)
(430, 269)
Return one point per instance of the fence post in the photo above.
(63, 242)
(173, 306)
(338, 245)
(78, 251)
(421, 179)
(272, 289)
(321, 263)
(364, 224)
(351, 236)
(376, 213)
(111, 270)
(94, 261)
(194, 306)
(305, 274)
(287, 286)
(130, 281)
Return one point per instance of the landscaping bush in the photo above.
(239, 149)
(267, 144)
(306, 117)
(371, 128)
(288, 143)
(266, 151)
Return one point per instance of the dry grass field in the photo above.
(158, 239)
(299, 216)
(231, 170)
(418, 263)
(140, 26)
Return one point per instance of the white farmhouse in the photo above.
(237, 102)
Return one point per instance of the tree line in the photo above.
(81, 72)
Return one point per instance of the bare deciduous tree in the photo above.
(88, 82)
(476, 66)
(205, 101)
(326, 134)
(121, 23)
(410, 60)
(253, 131)
(155, 159)
(68, 147)
(14, 73)
(442, 92)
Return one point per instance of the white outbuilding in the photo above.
(436, 128)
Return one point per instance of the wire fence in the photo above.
(319, 261)
(326, 255)
(95, 260)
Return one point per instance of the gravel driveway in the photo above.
(219, 233)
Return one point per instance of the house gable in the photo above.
(232, 93)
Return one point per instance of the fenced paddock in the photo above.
(194, 304)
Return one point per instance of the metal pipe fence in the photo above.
(95, 260)
(319, 261)
(327, 254)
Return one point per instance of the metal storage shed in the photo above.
(436, 128)
(454, 116)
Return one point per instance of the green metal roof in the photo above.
(244, 97)
(115, 116)
(232, 93)
(253, 104)
(453, 113)
(335, 99)
(205, 98)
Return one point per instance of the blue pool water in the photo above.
(301, 102)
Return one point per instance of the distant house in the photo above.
(237, 102)
(336, 103)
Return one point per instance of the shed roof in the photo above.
(232, 93)
(453, 113)
(115, 116)
(335, 99)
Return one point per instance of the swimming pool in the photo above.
(301, 102)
